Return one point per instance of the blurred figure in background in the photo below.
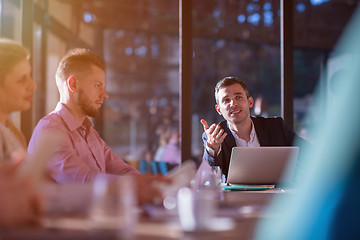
(164, 137)
(171, 153)
(16, 90)
(145, 163)
(160, 117)
(19, 201)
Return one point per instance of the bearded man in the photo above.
(80, 79)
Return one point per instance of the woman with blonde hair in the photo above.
(19, 201)
(16, 90)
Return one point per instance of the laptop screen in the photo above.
(262, 165)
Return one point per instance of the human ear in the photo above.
(251, 102)
(72, 83)
(218, 109)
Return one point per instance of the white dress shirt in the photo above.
(253, 142)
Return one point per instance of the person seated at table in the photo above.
(19, 201)
(233, 102)
(83, 154)
(16, 90)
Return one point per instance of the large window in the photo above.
(139, 39)
(235, 38)
(318, 25)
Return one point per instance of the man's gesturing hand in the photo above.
(215, 135)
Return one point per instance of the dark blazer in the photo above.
(270, 132)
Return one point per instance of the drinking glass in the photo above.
(196, 209)
(210, 180)
(218, 174)
(113, 206)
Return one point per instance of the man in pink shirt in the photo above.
(80, 79)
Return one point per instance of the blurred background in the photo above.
(140, 42)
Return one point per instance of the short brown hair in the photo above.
(11, 53)
(77, 60)
(228, 81)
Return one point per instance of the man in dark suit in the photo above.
(233, 102)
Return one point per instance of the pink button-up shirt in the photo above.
(83, 154)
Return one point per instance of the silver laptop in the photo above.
(262, 165)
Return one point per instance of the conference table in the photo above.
(243, 208)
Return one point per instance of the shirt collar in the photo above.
(69, 119)
(252, 133)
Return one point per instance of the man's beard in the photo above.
(85, 105)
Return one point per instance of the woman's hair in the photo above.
(11, 53)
